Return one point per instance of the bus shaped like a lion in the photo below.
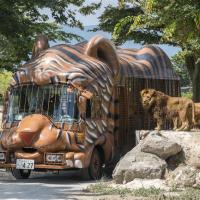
(78, 106)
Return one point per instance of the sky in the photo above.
(89, 19)
(93, 19)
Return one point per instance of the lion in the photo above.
(179, 110)
(197, 115)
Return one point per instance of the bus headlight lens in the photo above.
(2, 157)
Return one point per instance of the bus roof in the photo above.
(53, 64)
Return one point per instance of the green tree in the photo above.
(180, 69)
(118, 20)
(5, 78)
(22, 20)
(175, 22)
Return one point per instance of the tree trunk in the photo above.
(190, 64)
(196, 83)
(194, 72)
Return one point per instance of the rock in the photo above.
(181, 150)
(188, 140)
(137, 164)
(184, 176)
(147, 183)
(160, 145)
(190, 143)
(142, 134)
(174, 161)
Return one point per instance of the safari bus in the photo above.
(78, 106)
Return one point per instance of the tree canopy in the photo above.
(175, 22)
(181, 69)
(5, 78)
(22, 20)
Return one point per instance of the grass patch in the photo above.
(187, 95)
(106, 189)
(152, 193)
(143, 192)
(190, 194)
(187, 194)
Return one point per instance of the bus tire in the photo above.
(95, 170)
(21, 173)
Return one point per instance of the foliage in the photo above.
(22, 20)
(172, 22)
(5, 78)
(163, 21)
(187, 95)
(119, 19)
(180, 69)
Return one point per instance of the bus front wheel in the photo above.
(94, 171)
(21, 173)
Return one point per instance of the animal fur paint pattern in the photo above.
(87, 99)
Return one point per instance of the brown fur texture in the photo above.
(179, 110)
(197, 114)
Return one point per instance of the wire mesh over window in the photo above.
(54, 101)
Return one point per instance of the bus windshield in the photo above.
(52, 100)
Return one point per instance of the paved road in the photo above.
(67, 185)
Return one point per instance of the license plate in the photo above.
(24, 164)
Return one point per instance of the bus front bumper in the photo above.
(50, 161)
(37, 166)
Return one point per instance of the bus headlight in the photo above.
(2, 157)
(53, 158)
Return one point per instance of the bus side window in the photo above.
(88, 108)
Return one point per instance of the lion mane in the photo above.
(163, 107)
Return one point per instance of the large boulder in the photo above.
(160, 145)
(188, 140)
(137, 164)
(190, 143)
(184, 176)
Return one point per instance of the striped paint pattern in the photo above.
(149, 62)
